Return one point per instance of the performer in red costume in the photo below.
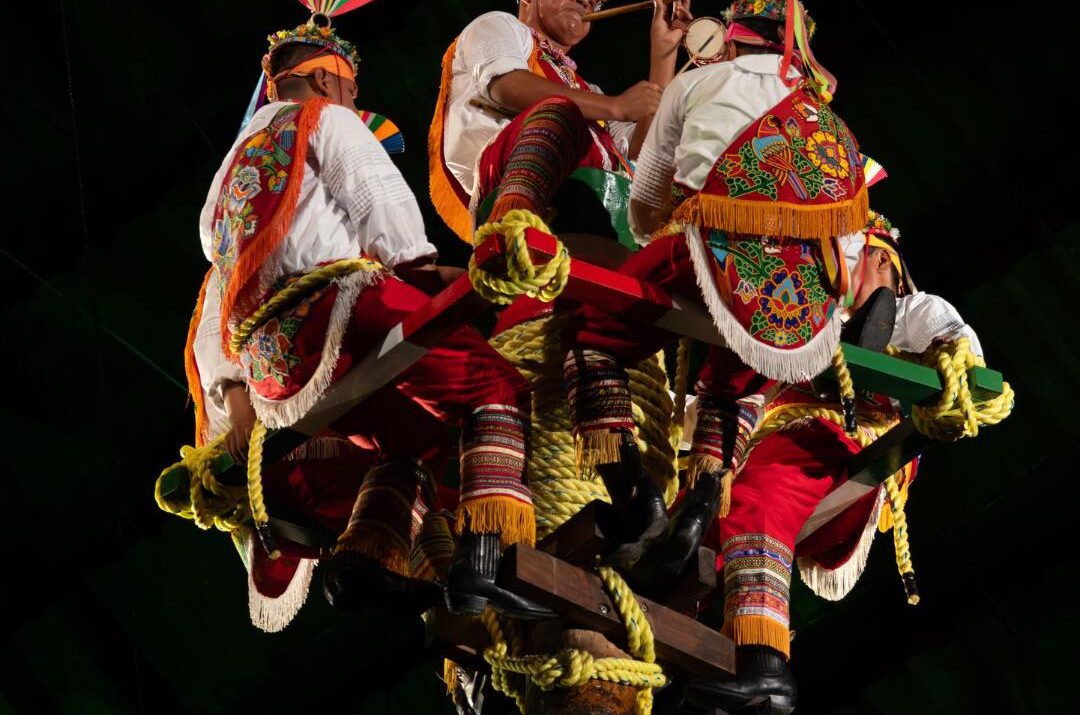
(515, 117)
(792, 498)
(745, 183)
(319, 250)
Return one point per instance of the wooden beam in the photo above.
(579, 597)
(695, 584)
(461, 639)
(579, 540)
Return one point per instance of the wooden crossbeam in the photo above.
(579, 597)
(615, 292)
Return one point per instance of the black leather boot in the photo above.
(666, 557)
(359, 584)
(763, 684)
(638, 513)
(471, 587)
(871, 326)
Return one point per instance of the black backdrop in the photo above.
(119, 112)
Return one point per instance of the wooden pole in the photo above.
(613, 12)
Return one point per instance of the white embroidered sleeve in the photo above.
(493, 45)
(923, 318)
(655, 166)
(361, 177)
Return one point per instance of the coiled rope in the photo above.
(522, 276)
(573, 667)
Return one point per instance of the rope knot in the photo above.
(523, 277)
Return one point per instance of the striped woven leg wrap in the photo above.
(721, 438)
(433, 549)
(598, 390)
(548, 147)
(757, 585)
(495, 497)
(388, 514)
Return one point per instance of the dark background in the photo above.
(118, 114)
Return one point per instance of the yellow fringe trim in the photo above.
(705, 464)
(775, 218)
(759, 630)
(447, 202)
(597, 447)
(449, 675)
(514, 521)
(375, 543)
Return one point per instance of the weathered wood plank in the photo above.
(579, 597)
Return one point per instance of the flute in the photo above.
(621, 10)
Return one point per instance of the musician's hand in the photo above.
(670, 20)
(638, 102)
(242, 417)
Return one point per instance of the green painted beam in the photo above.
(907, 382)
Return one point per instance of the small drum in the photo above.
(704, 40)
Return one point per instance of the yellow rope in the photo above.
(682, 377)
(210, 503)
(293, 293)
(847, 389)
(956, 414)
(559, 490)
(573, 667)
(522, 276)
(900, 540)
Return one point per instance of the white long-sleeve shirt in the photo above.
(353, 200)
(701, 113)
(492, 45)
(922, 318)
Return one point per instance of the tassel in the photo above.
(766, 218)
(191, 367)
(514, 521)
(598, 447)
(759, 630)
(446, 194)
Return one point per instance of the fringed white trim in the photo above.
(796, 365)
(834, 584)
(272, 615)
(284, 413)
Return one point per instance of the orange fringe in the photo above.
(386, 548)
(759, 630)
(775, 218)
(703, 463)
(444, 196)
(514, 521)
(191, 368)
(260, 247)
(597, 447)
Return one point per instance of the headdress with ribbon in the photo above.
(337, 56)
(798, 29)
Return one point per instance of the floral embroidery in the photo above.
(778, 285)
(800, 152)
(260, 169)
(827, 155)
(269, 352)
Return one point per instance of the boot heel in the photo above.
(464, 604)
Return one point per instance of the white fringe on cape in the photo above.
(794, 365)
(284, 413)
(834, 584)
(273, 614)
